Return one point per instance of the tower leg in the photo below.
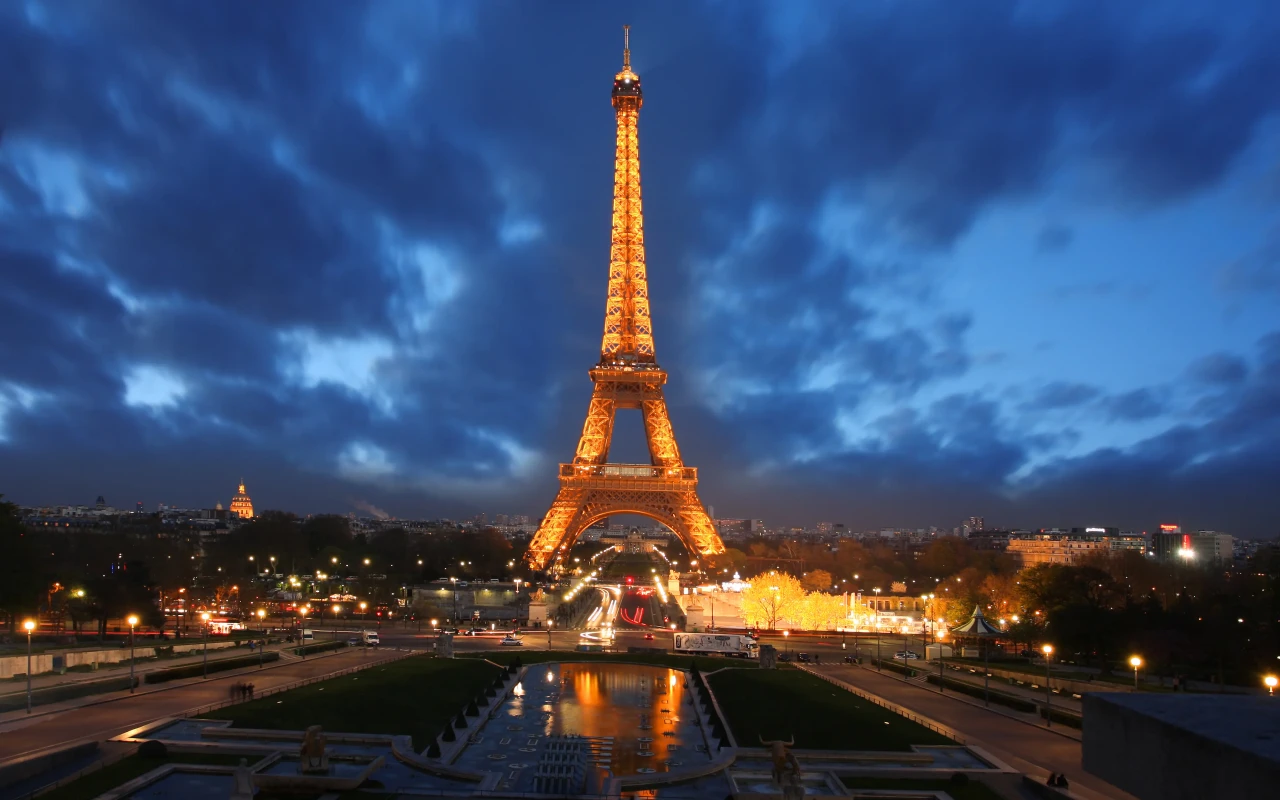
(702, 534)
(657, 430)
(542, 550)
(597, 431)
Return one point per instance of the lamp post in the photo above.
(1270, 682)
(454, 581)
(262, 616)
(302, 639)
(337, 609)
(1048, 691)
(1135, 662)
(786, 638)
(204, 623)
(673, 637)
(133, 623)
(363, 606)
(550, 623)
(29, 626)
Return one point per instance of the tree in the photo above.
(771, 597)
(820, 611)
(23, 580)
(818, 580)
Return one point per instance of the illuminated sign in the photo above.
(1167, 528)
(1095, 530)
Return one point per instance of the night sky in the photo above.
(909, 261)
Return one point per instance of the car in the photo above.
(463, 584)
(803, 657)
(511, 641)
(474, 631)
(353, 642)
(493, 580)
(648, 636)
(754, 634)
(906, 655)
(451, 631)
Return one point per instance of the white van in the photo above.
(307, 636)
(370, 638)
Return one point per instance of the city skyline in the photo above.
(357, 256)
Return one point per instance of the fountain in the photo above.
(312, 758)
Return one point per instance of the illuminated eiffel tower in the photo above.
(627, 377)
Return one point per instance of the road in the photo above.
(25, 735)
(1027, 748)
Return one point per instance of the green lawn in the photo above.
(414, 696)
(126, 769)
(970, 791)
(777, 704)
(704, 663)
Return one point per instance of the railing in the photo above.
(643, 472)
(889, 705)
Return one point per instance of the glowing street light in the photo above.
(204, 620)
(1048, 693)
(133, 623)
(1135, 662)
(29, 626)
(302, 640)
(1270, 682)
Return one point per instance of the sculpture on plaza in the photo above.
(786, 768)
(313, 758)
(242, 782)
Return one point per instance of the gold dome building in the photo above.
(241, 505)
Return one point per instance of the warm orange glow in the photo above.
(132, 620)
(1048, 649)
(241, 505)
(29, 625)
(1135, 662)
(626, 377)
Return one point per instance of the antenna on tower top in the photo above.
(626, 46)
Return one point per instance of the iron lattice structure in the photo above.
(627, 377)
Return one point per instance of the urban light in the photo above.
(1271, 682)
(1135, 662)
(204, 618)
(1048, 692)
(29, 626)
(133, 623)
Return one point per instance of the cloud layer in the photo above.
(908, 264)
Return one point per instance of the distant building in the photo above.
(973, 524)
(241, 505)
(740, 527)
(101, 504)
(1202, 547)
(1056, 546)
(824, 527)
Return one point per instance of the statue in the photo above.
(786, 768)
(768, 656)
(444, 645)
(242, 782)
(313, 758)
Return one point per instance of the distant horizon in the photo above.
(904, 263)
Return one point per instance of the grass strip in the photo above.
(415, 696)
(217, 665)
(779, 704)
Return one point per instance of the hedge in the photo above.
(1016, 703)
(220, 665)
(1064, 717)
(319, 647)
(58, 694)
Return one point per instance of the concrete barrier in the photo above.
(42, 663)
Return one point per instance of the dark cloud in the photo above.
(1061, 394)
(1134, 406)
(362, 248)
(1054, 238)
(1219, 368)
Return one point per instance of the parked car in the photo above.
(353, 642)
(804, 658)
(511, 641)
(452, 631)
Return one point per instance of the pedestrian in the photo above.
(817, 658)
(251, 691)
(1053, 779)
(1062, 782)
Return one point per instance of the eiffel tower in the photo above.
(626, 377)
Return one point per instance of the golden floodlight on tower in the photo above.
(626, 377)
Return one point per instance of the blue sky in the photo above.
(909, 262)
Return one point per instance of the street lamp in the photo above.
(262, 616)
(1048, 691)
(336, 610)
(204, 619)
(550, 623)
(454, 581)
(29, 626)
(302, 638)
(1270, 682)
(363, 606)
(1135, 662)
(673, 637)
(133, 623)
(786, 637)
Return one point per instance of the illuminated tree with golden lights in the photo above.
(772, 596)
(820, 611)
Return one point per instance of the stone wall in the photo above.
(43, 662)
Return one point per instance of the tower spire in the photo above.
(626, 47)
